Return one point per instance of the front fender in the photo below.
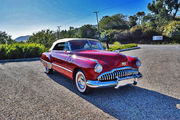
(132, 61)
(87, 65)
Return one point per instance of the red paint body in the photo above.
(84, 60)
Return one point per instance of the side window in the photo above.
(59, 46)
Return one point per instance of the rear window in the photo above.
(59, 46)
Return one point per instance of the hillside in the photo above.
(22, 38)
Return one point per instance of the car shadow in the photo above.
(129, 102)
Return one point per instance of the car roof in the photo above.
(69, 39)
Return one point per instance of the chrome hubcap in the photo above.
(81, 81)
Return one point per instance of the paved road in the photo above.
(26, 92)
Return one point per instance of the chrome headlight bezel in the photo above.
(138, 63)
(98, 68)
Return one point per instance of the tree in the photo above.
(173, 7)
(5, 38)
(71, 28)
(165, 8)
(44, 37)
(133, 20)
(147, 18)
(140, 15)
(87, 31)
(71, 33)
(117, 21)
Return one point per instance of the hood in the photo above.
(106, 58)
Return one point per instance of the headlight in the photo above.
(138, 63)
(98, 68)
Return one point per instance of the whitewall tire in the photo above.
(80, 80)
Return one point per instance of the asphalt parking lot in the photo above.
(26, 92)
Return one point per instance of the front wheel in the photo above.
(80, 80)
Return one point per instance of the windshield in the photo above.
(86, 45)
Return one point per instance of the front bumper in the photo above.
(116, 83)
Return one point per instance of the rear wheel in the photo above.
(48, 71)
(80, 80)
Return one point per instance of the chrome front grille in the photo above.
(118, 72)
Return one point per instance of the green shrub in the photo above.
(17, 50)
(116, 43)
(172, 30)
(118, 47)
(148, 34)
(116, 35)
(2, 52)
(136, 33)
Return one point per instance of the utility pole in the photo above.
(96, 12)
(58, 32)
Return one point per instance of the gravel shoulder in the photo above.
(26, 92)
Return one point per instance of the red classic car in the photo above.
(85, 61)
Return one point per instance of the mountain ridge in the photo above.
(22, 38)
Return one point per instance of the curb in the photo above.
(18, 60)
(133, 48)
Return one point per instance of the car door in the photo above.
(59, 58)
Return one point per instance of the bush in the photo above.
(117, 43)
(2, 52)
(118, 47)
(144, 35)
(43, 37)
(17, 50)
(172, 30)
(136, 33)
(116, 35)
(148, 34)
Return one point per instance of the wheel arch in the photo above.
(75, 71)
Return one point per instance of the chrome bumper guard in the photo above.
(116, 83)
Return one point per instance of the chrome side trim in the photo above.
(95, 61)
(49, 64)
(61, 67)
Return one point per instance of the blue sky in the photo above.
(23, 17)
